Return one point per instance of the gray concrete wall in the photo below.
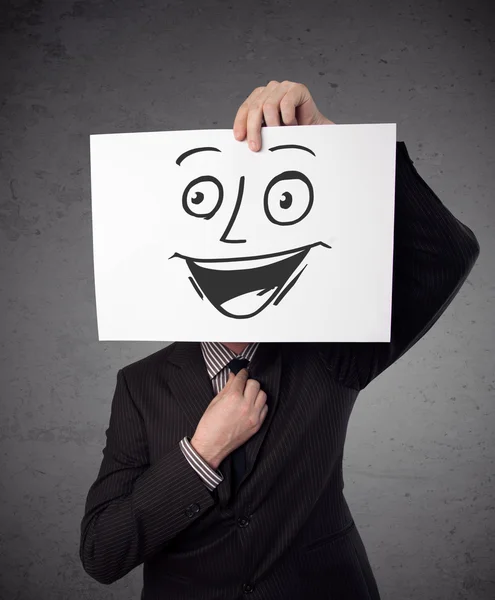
(419, 457)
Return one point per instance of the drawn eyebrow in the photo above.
(292, 146)
(193, 151)
(184, 155)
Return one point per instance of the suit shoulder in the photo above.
(152, 362)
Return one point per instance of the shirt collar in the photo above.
(217, 356)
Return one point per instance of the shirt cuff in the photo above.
(210, 477)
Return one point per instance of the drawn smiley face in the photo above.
(241, 287)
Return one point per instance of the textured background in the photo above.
(420, 455)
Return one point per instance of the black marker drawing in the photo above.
(237, 286)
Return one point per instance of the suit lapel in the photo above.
(190, 383)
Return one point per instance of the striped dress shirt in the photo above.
(217, 357)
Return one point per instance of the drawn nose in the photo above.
(231, 222)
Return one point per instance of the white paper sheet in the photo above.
(281, 245)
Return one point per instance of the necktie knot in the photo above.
(237, 364)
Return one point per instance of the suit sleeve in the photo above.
(433, 255)
(133, 510)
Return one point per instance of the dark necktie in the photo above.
(239, 454)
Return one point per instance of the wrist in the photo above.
(207, 455)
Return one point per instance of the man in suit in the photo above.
(226, 482)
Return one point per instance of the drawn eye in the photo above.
(203, 197)
(288, 198)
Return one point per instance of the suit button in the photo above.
(191, 510)
(243, 521)
(248, 588)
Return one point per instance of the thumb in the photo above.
(225, 387)
(230, 379)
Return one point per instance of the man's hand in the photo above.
(287, 101)
(234, 415)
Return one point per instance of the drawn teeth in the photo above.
(248, 263)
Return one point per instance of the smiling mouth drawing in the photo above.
(238, 287)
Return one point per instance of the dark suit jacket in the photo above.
(287, 533)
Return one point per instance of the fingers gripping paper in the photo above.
(197, 238)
